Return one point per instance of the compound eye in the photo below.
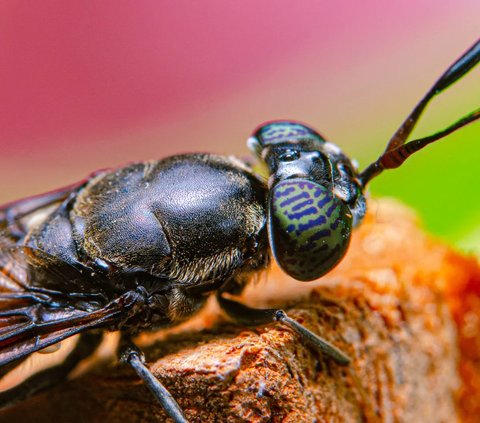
(309, 228)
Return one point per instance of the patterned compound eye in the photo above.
(309, 228)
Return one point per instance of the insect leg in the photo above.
(251, 316)
(132, 355)
(86, 346)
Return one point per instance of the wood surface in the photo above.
(404, 307)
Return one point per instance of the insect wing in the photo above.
(20, 339)
(31, 317)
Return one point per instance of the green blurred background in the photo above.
(442, 182)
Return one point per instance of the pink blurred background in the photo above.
(87, 85)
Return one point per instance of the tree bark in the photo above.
(405, 308)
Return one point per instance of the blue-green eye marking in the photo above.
(309, 228)
(285, 131)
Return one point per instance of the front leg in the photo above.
(252, 316)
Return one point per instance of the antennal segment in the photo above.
(397, 151)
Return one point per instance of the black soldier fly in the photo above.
(143, 246)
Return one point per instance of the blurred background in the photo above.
(88, 85)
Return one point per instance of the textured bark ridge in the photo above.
(405, 308)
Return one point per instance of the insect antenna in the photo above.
(397, 151)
